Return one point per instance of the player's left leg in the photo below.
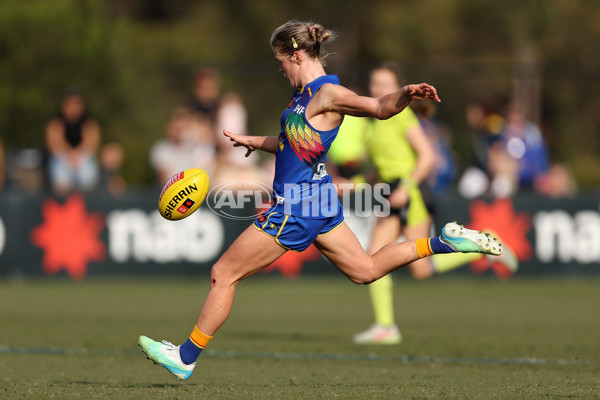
(439, 263)
(343, 249)
(421, 268)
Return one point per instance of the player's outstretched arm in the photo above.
(251, 143)
(339, 99)
(393, 103)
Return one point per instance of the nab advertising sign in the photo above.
(81, 236)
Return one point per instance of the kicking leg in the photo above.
(251, 252)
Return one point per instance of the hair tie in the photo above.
(294, 44)
(311, 29)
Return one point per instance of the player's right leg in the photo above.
(251, 252)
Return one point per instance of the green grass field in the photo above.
(463, 338)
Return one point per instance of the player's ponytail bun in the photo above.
(318, 33)
(296, 35)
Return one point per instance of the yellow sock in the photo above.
(193, 346)
(447, 262)
(382, 298)
(423, 247)
(199, 338)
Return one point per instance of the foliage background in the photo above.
(135, 59)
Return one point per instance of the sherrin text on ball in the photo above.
(183, 194)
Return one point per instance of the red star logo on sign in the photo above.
(69, 237)
(290, 264)
(500, 218)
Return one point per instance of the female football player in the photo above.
(305, 208)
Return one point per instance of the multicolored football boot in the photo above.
(465, 240)
(167, 355)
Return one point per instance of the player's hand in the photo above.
(423, 91)
(398, 198)
(240, 140)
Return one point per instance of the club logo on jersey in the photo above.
(185, 207)
(319, 171)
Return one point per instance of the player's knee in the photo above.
(219, 275)
(365, 275)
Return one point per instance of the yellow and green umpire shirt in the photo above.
(389, 149)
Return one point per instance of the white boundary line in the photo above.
(5, 349)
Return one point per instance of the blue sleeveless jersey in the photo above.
(302, 186)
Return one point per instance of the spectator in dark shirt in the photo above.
(73, 138)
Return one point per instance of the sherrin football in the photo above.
(183, 194)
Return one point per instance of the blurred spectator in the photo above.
(512, 158)
(502, 171)
(492, 171)
(26, 170)
(231, 115)
(111, 161)
(206, 94)
(444, 170)
(524, 142)
(486, 124)
(227, 112)
(558, 182)
(72, 138)
(232, 163)
(189, 143)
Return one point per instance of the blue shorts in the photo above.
(296, 233)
